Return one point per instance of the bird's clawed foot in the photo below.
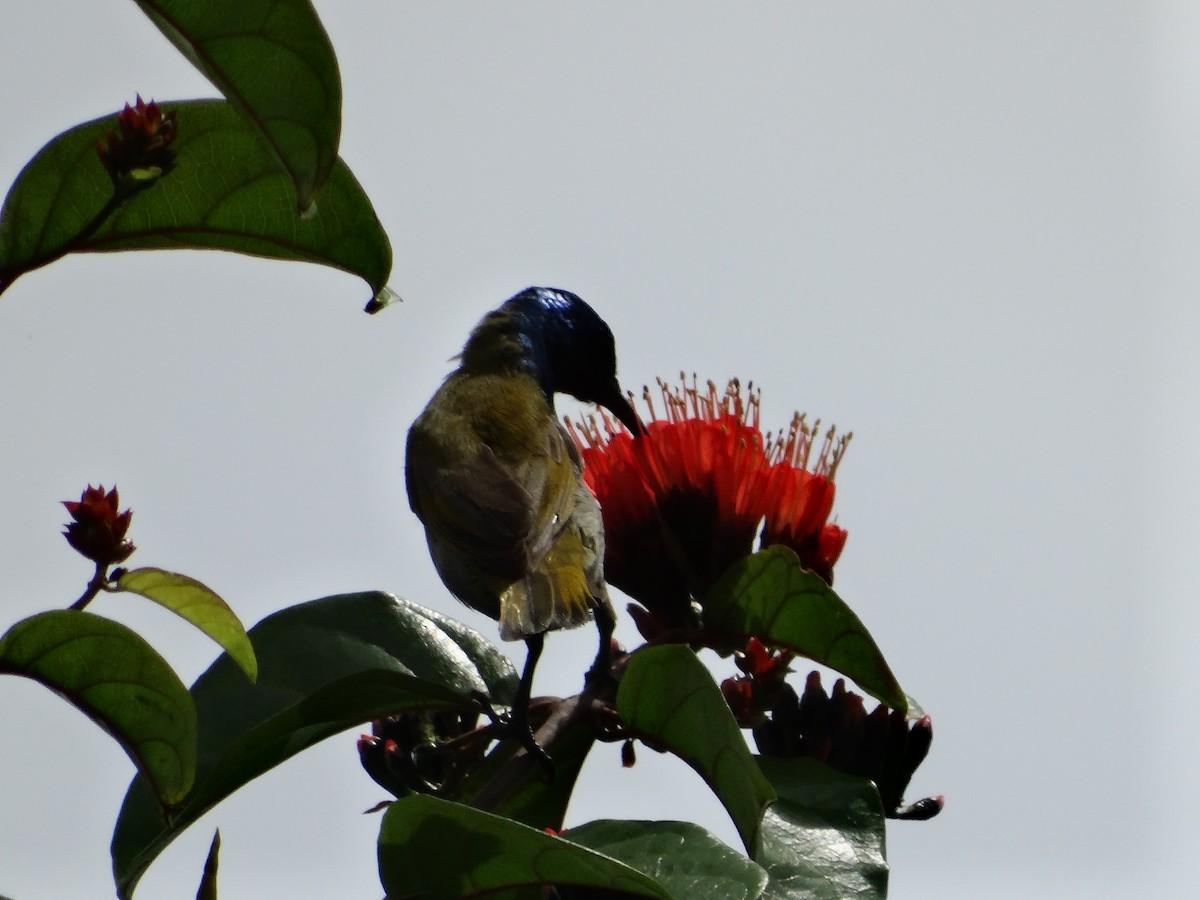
(514, 724)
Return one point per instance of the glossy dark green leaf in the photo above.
(770, 595)
(824, 838)
(119, 681)
(273, 60)
(669, 698)
(492, 663)
(197, 604)
(225, 192)
(324, 666)
(684, 858)
(434, 848)
(208, 881)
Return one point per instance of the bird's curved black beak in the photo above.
(618, 404)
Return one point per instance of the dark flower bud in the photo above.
(779, 734)
(646, 622)
(835, 728)
(815, 721)
(628, 756)
(139, 151)
(925, 808)
(373, 753)
(409, 753)
(739, 694)
(98, 530)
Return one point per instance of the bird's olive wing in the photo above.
(477, 507)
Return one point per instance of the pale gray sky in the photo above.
(966, 234)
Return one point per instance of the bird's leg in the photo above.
(518, 723)
(520, 710)
(606, 624)
(533, 645)
(520, 704)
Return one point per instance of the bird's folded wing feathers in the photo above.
(504, 518)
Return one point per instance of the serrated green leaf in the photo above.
(669, 698)
(684, 858)
(824, 838)
(434, 848)
(770, 595)
(120, 682)
(225, 192)
(273, 60)
(324, 666)
(197, 604)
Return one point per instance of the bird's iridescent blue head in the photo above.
(559, 339)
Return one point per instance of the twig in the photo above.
(95, 586)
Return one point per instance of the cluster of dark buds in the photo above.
(139, 152)
(883, 745)
(759, 687)
(424, 751)
(685, 500)
(98, 530)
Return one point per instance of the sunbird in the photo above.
(493, 476)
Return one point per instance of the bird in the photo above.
(513, 530)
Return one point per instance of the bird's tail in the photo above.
(559, 593)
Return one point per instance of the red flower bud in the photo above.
(98, 531)
(142, 142)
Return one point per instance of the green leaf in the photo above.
(770, 595)
(493, 664)
(273, 60)
(225, 192)
(324, 666)
(120, 682)
(434, 848)
(208, 881)
(669, 699)
(684, 858)
(824, 838)
(199, 605)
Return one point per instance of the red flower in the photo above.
(683, 502)
(98, 531)
(800, 493)
(142, 144)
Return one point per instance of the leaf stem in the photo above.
(94, 587)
